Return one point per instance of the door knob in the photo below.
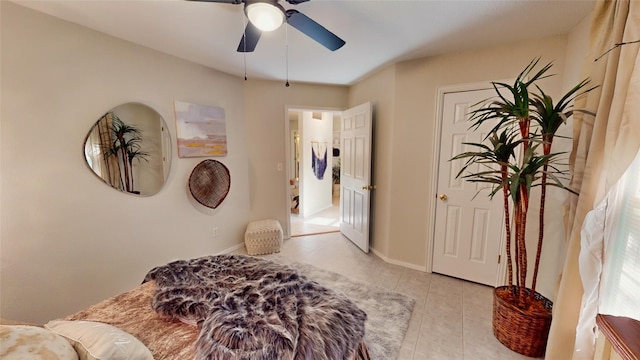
(443, 197)
(368, 187)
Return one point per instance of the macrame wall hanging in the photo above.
(319, 158)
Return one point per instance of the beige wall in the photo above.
(69, 240)
(265, 109)
(404, 96)
(414, 128)
(379, 89)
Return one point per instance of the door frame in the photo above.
(287, 161)
(435, 169)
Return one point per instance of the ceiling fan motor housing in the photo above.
(294, 18)
(266, 15)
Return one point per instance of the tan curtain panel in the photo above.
(604, 146)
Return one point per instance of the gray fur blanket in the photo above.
(251, 309)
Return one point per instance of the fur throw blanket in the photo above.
(251, 309)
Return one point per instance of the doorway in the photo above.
(314, 137)
(467, 228)
(314, 171)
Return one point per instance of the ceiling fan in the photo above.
(268, 15)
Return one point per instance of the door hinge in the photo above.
(499, 258)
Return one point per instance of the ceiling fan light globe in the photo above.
(265, 16)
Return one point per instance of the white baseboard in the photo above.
(377, 253)
(400, 263)
(236, 247)
(232, 249)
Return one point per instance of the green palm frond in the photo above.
(549, 116)
(492, 157)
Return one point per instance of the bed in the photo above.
(228, 307)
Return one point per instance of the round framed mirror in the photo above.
(129, 148)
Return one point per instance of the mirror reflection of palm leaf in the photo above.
(125, 147)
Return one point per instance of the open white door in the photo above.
(468, 228)
(355, 175)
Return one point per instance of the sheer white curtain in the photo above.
(604, 146)
(610, 259)
(620, 283)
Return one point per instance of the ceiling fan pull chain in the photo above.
(244, 53)
(286, 45)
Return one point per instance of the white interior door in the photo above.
(355, 175)
(468, 228)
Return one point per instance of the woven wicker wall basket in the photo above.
(209, 183)
(523, 331)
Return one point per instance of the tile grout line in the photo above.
(415, 344)
(395, 287)
(464, 316)
(426, 301)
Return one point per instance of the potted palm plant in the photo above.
(516, 158)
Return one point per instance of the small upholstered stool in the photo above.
(263, 237)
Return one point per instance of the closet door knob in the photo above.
(443, 197)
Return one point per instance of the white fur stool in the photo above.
(263, 237)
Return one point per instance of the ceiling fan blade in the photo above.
(221, 1)
(249, 38)
(314, 30)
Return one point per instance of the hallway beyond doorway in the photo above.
(326, 221)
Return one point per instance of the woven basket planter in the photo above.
(521, 330)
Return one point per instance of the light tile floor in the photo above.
(451, 319)
(323, 222)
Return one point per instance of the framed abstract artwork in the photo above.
(201, 130)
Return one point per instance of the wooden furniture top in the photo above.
(623, 334)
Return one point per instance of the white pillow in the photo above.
(33, 342)
(99, 341)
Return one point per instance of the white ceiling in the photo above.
(377, 33)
